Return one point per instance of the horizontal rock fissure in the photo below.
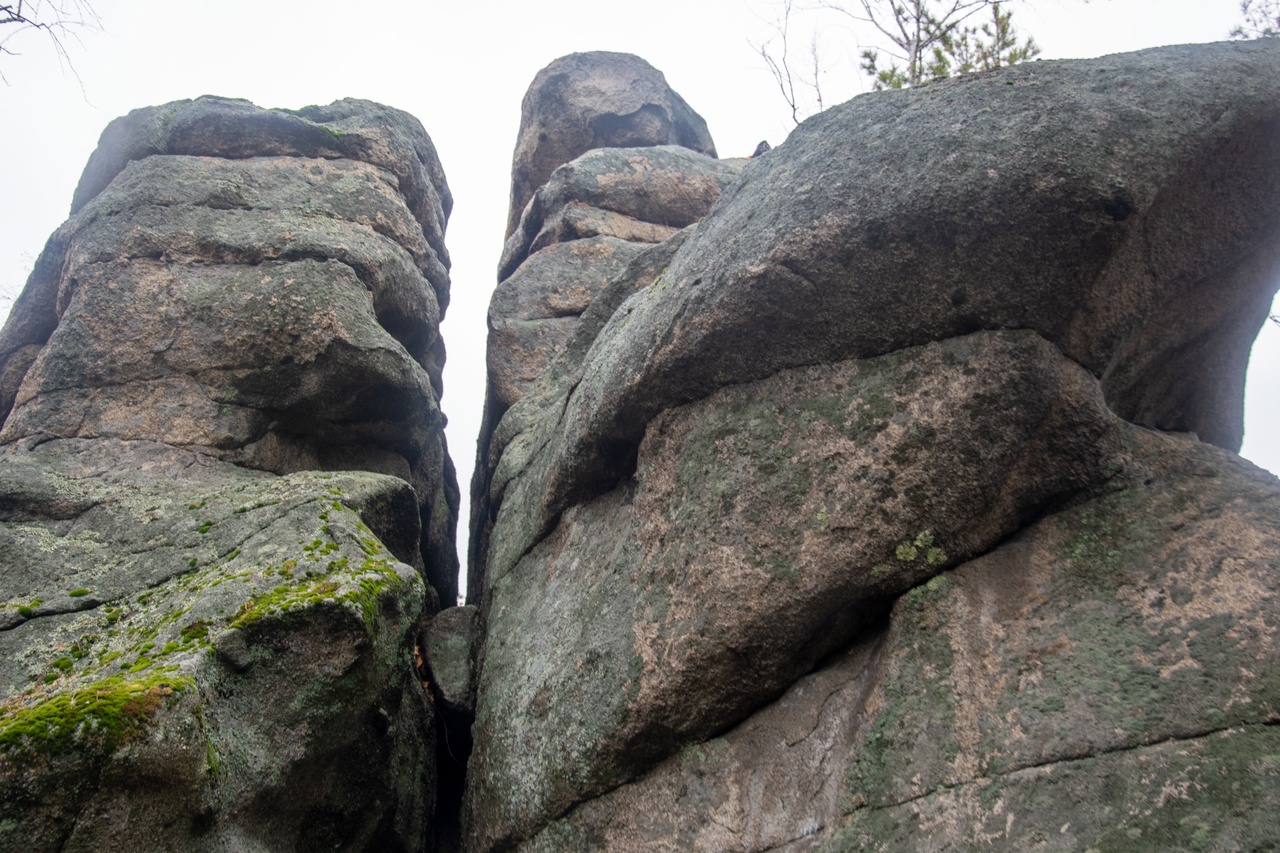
(1066, 759)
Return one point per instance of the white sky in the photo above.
(462, 69)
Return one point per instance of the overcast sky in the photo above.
(462, 68)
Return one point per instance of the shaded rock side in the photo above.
(595, 100)
(194, 656)
(261, 285)
(1105, 680)
(225, 499)
(536, 388)
(913, 330)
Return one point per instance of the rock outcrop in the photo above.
(260, 285)
(889, 516)
(609, 163)
(595, 100)
(877, 493)
(225, 494)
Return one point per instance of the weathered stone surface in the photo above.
(235, 129)
(643, 270)
(908, 333)
(765, 525)
(199, 657)
(206, 641)
(608, 161)
(595, 100)
(449, 650)
(281, 312)
(639, 194)
(1106, 680)
(533, 312)
(882, 223)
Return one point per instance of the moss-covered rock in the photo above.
(244, 644)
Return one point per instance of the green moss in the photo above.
(376, 576)
(874, 411)
(197, 630)
(206, 527)
(78, 593)
(105, 715)
(213, 762)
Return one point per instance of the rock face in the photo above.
(876, 494)
(263, 286)
(596, 100)
(609, 163)
(889, 515)
(207, 640)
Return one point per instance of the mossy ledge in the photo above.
(104, 716)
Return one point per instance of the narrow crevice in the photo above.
(453, 753)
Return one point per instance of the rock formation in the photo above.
(596, 100)
(207, 640)
(889, 515)
(877, 493)
(609, 162)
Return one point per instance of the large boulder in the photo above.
(880, 225)
(200, 657)
(903, 377)
(226, 499)
(765, 526)
(1106, 679)
(595, 100)
(256, 284)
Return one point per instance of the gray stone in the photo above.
(595, 100)
(764, 527)
(1091, 683)
(640, 194)
(200, 657)
(886, 413)
(1077, 206)
(280, 311)
(225, 499)
(449, 650)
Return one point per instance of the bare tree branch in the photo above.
(780, 66)
(60, 20)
